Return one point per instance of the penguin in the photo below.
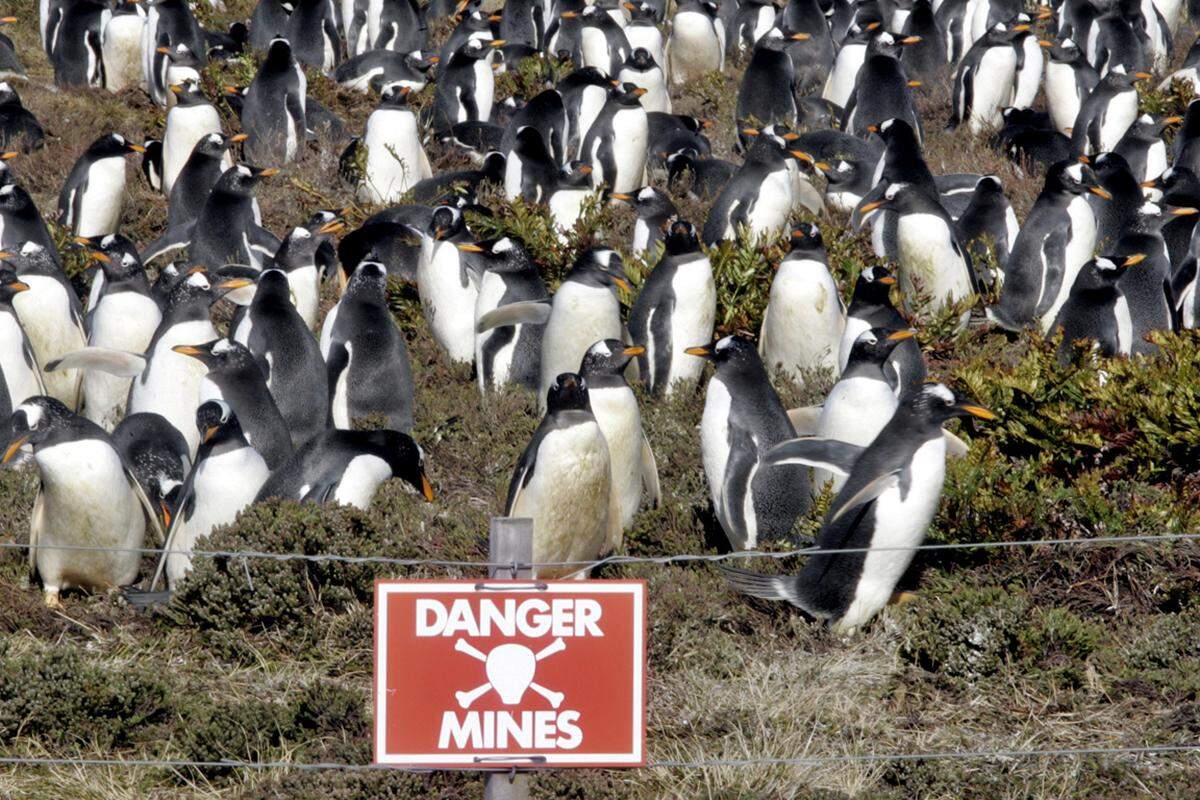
(546, 114)
(983, 82)
(275, 333)
(367, 365)
(926, 60)
(348, 467)
(584, 93)
(743, 419)
(563, 480)
(673, 133)
(641, 70)
(373, 69)
(812, 58)
(273, 115)
(863, 399)
(523, 22)
(1116, 41)
(758, 198)
(1186, 148)
(1030, 66)
(767, 94)
(654, 211)
(196, 178)
(871, 307)
(312, 32)
(571, 194)
(564, 33)
(615, 408)
(447, 283)
(225, 478)
(852, 54)
(152, 163)
(10, 63)
(1069, 81)
(1106, 114)
(191, 119)
(235, 377)
(1147, 291)
(298, 257)
(707, 176)
(1058, 237)
(121, 45)
(452, 186)
(175, 66)
(1096, 309)
(1143, 147)
(87, 496)
(269, 20)
(677, 305)
(530, 171)
(804, 319)
(168, 23)
(881, 90)
(20, 221)
(472, 24)
(615, 144)
(506, 353)
(1178, 187)
(932, 261)
(583, 311)
(124, 316)
(466, 86)
(989, 224)
(158, 457)
(753, 21)
(891, 495)
(1119, 209)
(643, 31)
(75, 47)
(51, 315)
(395, 159)
(1029, 137)
(1188, 72)
(92, 196)
(22, 378)
(603, 43)
(696, 46)
(19, 128)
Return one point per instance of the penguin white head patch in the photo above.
(225, 410)
(128, 260)
(503, 245)
(33, 415)
(843, 166)
(214, 138)
(118, 138)
(646, 194)
(886, 125)
(30, 248)
(7, 188)
(1105, 264)
(108, 240)
(222, 346)
(887, 38)
(301, 233)
(601, 348)
(868, 337)
(199, 280)
(724, 344)
(243, 170)
(1149, 209)
(894, 190)
(1076, 172)
(940, 391)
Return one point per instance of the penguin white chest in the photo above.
(855, 411)
(1120, 114)
(802, 328)
(1078, 251)
(171, 383)
(855, 327)
(1124, 325)
(360, 480)
(692, 320)
(448, 299)
(714, 436)
(100, 206)
(121, 321)
(774, 204)
(595, 49)
(631, 133)
(993, 86)
(485, 88)
(840, 84)
(491, 292)
(45, 314)
(1062, 95)
(929, 260)
(617, 414)
(694, 47)
(591, 103)
(20, 376)
(580, 316)
(186, 125)
(305, 285)
(122, 51)
(566, 207)
(394, 155)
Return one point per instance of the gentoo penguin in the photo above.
(51, 315)
(932, 262)
(87, 497)
(298, 258)
(1146, 288)
(448, 284)
(1054, 243)
(191, 119)
(1179, 187)
(74, 48)
(235, 377)
(871, 307)
(152, 163)
(1069, 81)
(1186, 148)
(466, 85)
(602, 40)
(224, 479)
(268, 20)
(121, 45)
(168, 22)
(530, 170)
(743, 419)
(563, 480)
(654, 212)
(546, 113)
(643, 71)
(312, 32)
(273, 114)
(473, 24)
(851, 55)
(158, 457)
(19, 368)
(615, 144)
(395, 160)
(21, 222)
(209, 158)
(124, 316)
(374, 69)
(1119, 209)
(881, 90)
(863, 399)
(348, 467)
(273, 330)
(366, 359)
(10, 63)
(753, 21)
(707, 176)
(926, 60)
(983, 82)
(767, 94)
(615, 408)
(758, 198)
(1106, 113)
(697, 43)
(891, 495)
(989, 223)
(583, 311)
(19, 128)
(804, 319)
(1188, 72)
(176, 65)
(92, 196)
(643, 31)
(524, 22)
(812, 58)
(1096, 310)
(506, 353)
(571, 194)
(584, 93)
(1143, 147)
(677, 305)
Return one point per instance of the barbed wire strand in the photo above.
(800, 761)
(582, 565)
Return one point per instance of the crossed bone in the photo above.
(465, 699)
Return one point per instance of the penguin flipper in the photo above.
(739, 472)
(121, 363)
(524, 312)
(764, 587)
(805, 420)
(955, 447)
(828, 454)
(183, 512)
(866, 494)
(169, 242)
(36, 521)
(650, 472)
(147, 506)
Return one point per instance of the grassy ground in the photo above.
(1025, 648)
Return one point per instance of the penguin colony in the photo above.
(151, 420)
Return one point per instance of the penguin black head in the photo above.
(648, 202)
(681, 238)
(569, 392)
(369, 282)
(641, 60)
(236, 283)
(10, 286)
(325, 223)
(116, 255)
(402, 454)
(1111, 166)
(188, 92)
(14, 199)
(394, 95)
(35, 422)
(875, 345)
(273, 283)
(240, 179)
(180, 55)
(605, 361)
(1104, 272)
(215, 145)
(446, 222)
(471, 50)
(575, 175)
(934, 404)
(806, 238)
(874, 285)
(989, 188)
(1179, 186)
(898, 134)
(900, 197)
(640, 12)
(732, 353)
(31, 257)
(279, 56)
(191, 289)
(219, 354)
(113, 145)
(627, 94)
(217, 423)
(8, 95)
(1073, 177)
(506, 255)
(599, 266)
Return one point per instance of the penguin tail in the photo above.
(765, 587)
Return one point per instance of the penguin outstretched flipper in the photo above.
(524, 312)
(169, 242)
(766, 587)
(867, 494)
(828, 454)
(121, 363)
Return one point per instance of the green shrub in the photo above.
(243, 729)
(966, 633)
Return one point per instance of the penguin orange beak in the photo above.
(569, 14)
(621, 282)
(238, 137)
(426, 488)
(16, 445)
(1172, 120)
(1149, 184)
(196, 269)
(1021, 28)
(101, 257)
(189, 350)
(1143, 76)
(899, 336)
(230, 285)
(638, 92)
(5, 254)
(9, 156)
(914, 84)
(1134, 259)
(335, 226)
(869, 207)
(803, 156)
(136, 148)
(163, 50)
(749, 132)
(498, 42)
(1186, 211)
(976, 411)
(700, 352)
(800, 37)
(1100, 192)
(176, 89)
(19, 286)
(8, 20)
(1045, 43)
(165, 513)
(468, 247)
(585, 169)
(625, 198)
(268, 172)
(230, 90)
(887, 281)
(633, 351)
(912, 39)
(209, 433)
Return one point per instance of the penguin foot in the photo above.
(52, 600)
(901, 598)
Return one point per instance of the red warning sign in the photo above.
(510, 673)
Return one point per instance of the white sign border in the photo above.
(636, 756)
